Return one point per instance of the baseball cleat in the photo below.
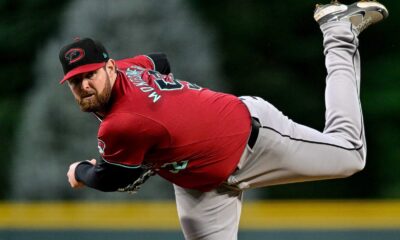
(361, 14)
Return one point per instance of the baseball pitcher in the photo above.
(213, 146)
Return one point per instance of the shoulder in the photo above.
(143, 61)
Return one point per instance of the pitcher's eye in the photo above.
(75, 80)
(89, 75)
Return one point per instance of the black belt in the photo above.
(255, 128)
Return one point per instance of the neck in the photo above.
(100, 115)
(103, 111)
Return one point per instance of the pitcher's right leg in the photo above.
(287, 152)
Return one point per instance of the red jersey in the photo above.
(191, 136)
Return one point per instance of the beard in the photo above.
(95, 101)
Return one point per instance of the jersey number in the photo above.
(175, 167)
(172, 84)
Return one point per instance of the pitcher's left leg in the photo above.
(210, 215)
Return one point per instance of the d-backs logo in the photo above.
(74, 55)
(101, 146)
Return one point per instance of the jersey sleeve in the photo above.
(124, 139)
(153, 61)
(142, 61)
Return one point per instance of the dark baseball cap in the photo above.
(83, 55)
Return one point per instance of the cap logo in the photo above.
(74, 55)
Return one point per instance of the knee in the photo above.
(190, 225)
(355, 165)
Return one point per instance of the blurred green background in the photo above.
(271, 49)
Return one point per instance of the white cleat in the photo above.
(361, 14)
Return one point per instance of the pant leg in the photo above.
(287, 152)
(342, 95)
(210, 215)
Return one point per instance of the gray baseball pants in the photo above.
(287, 152)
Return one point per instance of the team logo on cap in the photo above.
(74, 55)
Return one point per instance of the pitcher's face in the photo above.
(92, 90)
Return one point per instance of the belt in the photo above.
(255, 128)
